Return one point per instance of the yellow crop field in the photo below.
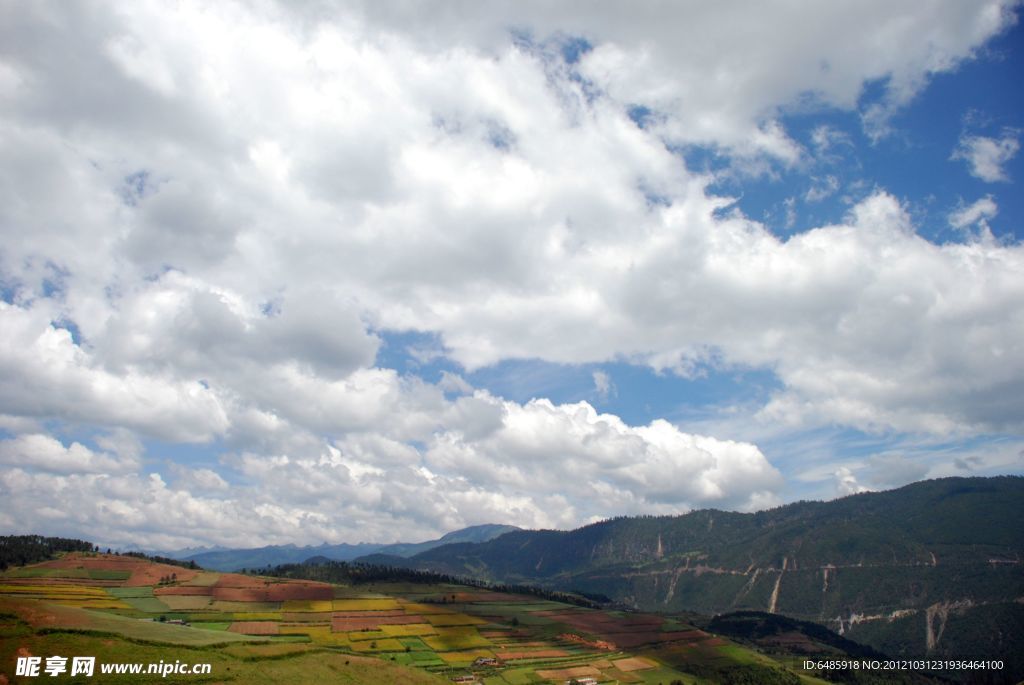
(382, 645)
(204, 579)
(375, 604)
(229, 605)
(258, 616)
(91, 603)
(409, 629)
(320, 635)
(366, 635)
(305, 605)
(448, 641)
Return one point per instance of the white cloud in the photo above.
(821, 188)
(453, 382)
(976, 216)
(197, 480)
(39, 451)
(536, 465)
(846, 483)
(987, 156)
(229, 204)
(598, 462)
(48, 375)
(603, 385)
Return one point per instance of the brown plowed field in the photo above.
(255, 627)
(567, 673)
(634, 664)
(150, 574)
(238, 588)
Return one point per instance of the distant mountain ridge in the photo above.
(273, 555)
(933, 568)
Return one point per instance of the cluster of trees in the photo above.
(19, 550)
(329, 571)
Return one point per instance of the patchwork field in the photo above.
(433, 632)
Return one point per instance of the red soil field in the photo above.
(375, 613)
(238, 588)
(254, 627)
(150, 574)
(99, 561)
(62, 581)
(143, 572)
(238, 580)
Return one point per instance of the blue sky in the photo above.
(355, 272)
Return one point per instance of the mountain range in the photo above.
(272, 555)
(931, 569)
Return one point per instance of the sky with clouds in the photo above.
(342, 271)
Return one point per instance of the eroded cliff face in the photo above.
(905, 605)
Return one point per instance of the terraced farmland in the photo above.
(435, 632)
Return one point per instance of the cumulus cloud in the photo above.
(536, 465)
(846, 482)
(47, 375)
(986, 156)
(212, 215)
(46, 453)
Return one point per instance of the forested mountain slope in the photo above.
(931, 568)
